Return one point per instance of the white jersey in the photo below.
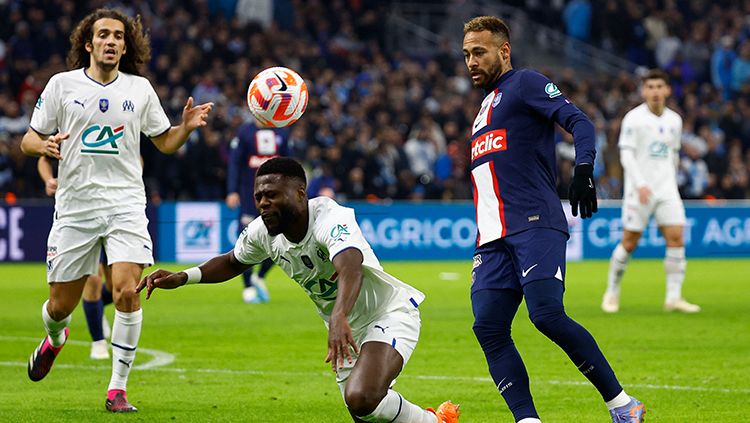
(332, 229)
(100, 172)
(655, 142)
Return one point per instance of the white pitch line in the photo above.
(160, 358)
(157, 365)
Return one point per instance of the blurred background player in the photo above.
(522, 230)
(91, 118)
(249, 149)
(372, 318)
(97, 292)
(649, 151)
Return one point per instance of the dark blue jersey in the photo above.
(513, 166)
(248, 150)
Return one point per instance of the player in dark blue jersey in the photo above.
(249, 149)
(522, 228)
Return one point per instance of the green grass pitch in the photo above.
(264, 363)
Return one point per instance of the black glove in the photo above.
(582, 192)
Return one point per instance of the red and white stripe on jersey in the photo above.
(485, 112)
(488, 203)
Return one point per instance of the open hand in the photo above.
(195, 117)
(340, 338)
(161, 278)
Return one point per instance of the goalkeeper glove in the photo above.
(582, 192)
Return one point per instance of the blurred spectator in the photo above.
(692, 174)
(741, 69)
(577, 17)
(367, 98)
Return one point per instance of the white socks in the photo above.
(125, 333)
(529, 420)
(55, 329)
(620, 400)
(394, 408)
(674, 266)
(617, 265)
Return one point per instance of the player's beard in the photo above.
(287, 214)
(491, 76)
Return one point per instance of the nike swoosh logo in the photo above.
(283, 84)
(501, 383)
(591, 183)
(526, 272)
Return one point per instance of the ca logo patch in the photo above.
(552, 90)
(101, 140)
(339, 232)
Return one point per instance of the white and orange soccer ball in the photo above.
(277, 97)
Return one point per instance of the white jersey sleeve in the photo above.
(339, 231)
(250, 247)
(629, 132)
(44, 119)
(629, 144)
(154, 120)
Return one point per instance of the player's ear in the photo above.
(88, 46)
(505, 51)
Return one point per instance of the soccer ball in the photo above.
(277, 97)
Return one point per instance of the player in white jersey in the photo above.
(649, 152)
(372, 317)
(91, 119)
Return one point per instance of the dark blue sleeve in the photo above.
(544, 97)
(235, 159)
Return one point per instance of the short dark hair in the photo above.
(655, 74)
(493, 24)
(283, 166)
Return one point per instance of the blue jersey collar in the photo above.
(500, 80)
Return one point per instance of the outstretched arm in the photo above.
(348, 265)
(175, 137)
(218, 269)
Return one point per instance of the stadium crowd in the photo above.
(382, 124)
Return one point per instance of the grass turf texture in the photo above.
(264, 363)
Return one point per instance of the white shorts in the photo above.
(74, 246)
(399, 328)
(666, 211)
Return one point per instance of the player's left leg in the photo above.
(544, 300)
(540, 255)
(384, 350)
(367, 394)
(128, 246)
(674, 266)
(126, 331)
(670, 216)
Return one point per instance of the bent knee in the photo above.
(362, 401)
(548, 320)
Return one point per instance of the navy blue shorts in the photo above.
(520, 258)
